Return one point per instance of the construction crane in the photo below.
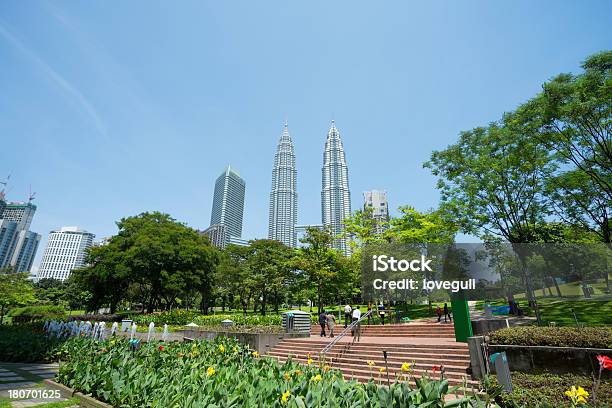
(32, 195)
(5, 184)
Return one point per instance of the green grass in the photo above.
(571, 289)
(59, 404)
(559, 310)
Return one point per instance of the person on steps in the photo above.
(323, 322)
(446, 313)
(439, 313)
(331, 323)
(347, 315)
(357, 328)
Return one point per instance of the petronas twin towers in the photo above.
(335, 193)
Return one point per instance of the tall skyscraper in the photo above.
(376, 201)
(18, 244)
(283, 197)
(65, 251)
(228, 203)
(335, 193)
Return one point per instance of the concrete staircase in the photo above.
(421, 345)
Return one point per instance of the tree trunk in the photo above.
(557, 286)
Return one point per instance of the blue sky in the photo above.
(108, 109)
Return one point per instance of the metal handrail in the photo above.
(332, 343)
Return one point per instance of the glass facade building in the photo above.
(335, 192)
(228, 202)
(283, 196)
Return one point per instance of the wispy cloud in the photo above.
(56, 78)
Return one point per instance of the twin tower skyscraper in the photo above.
(335, 192)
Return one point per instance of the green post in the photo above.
(461, 317)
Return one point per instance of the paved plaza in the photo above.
(17, 377)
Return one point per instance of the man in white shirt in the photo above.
(347, 315)
(357, 329)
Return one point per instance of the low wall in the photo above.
(559, 360)
(262, 342)
(85, 401)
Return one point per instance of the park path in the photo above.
(17, 376)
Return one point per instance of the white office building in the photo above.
(66, 250)
(376, 202)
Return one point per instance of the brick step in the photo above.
(423, 364)
(383, 380)
(350, 370)
(402, 348)
(368, 341)
(393, 360)
(405, 352)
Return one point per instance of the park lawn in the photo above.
(588, 311)
(571, 289)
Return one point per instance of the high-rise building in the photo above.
(376, 202)
(335, 193)
(283, 197)
(228, 203)
(66, 250)
(18, 245)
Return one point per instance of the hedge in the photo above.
(587, 337)
(96, 318)
(37, 313)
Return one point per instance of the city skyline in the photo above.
(105, 125)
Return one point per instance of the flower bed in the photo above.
(587, 337)
(549, 390)
(223, 373)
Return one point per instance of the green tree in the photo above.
(165, 259)
(493, 180)
(15, 291)
(571, 117)
(232, 275)
(268, 263)
(319, 264)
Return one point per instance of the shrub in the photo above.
(27, 344)
(96, 318)
(37, 313)
(594, 337)
(223, 373)
(173, 317)
(548, 390)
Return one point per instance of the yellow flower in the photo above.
(316, 378)
(221, 348)
(577, 395)
(235, 349)
(310, 360)
(326, 368)
(210, 371)
(382, 369)
(371, 363)
(287, 376)
(180, 355)
(298, 372)
(285, 396)
(405, 367)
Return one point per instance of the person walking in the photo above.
(347, 315)
(439, 313)
(331, 323)
(323, 322)
(446, 313)
(357, 328)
